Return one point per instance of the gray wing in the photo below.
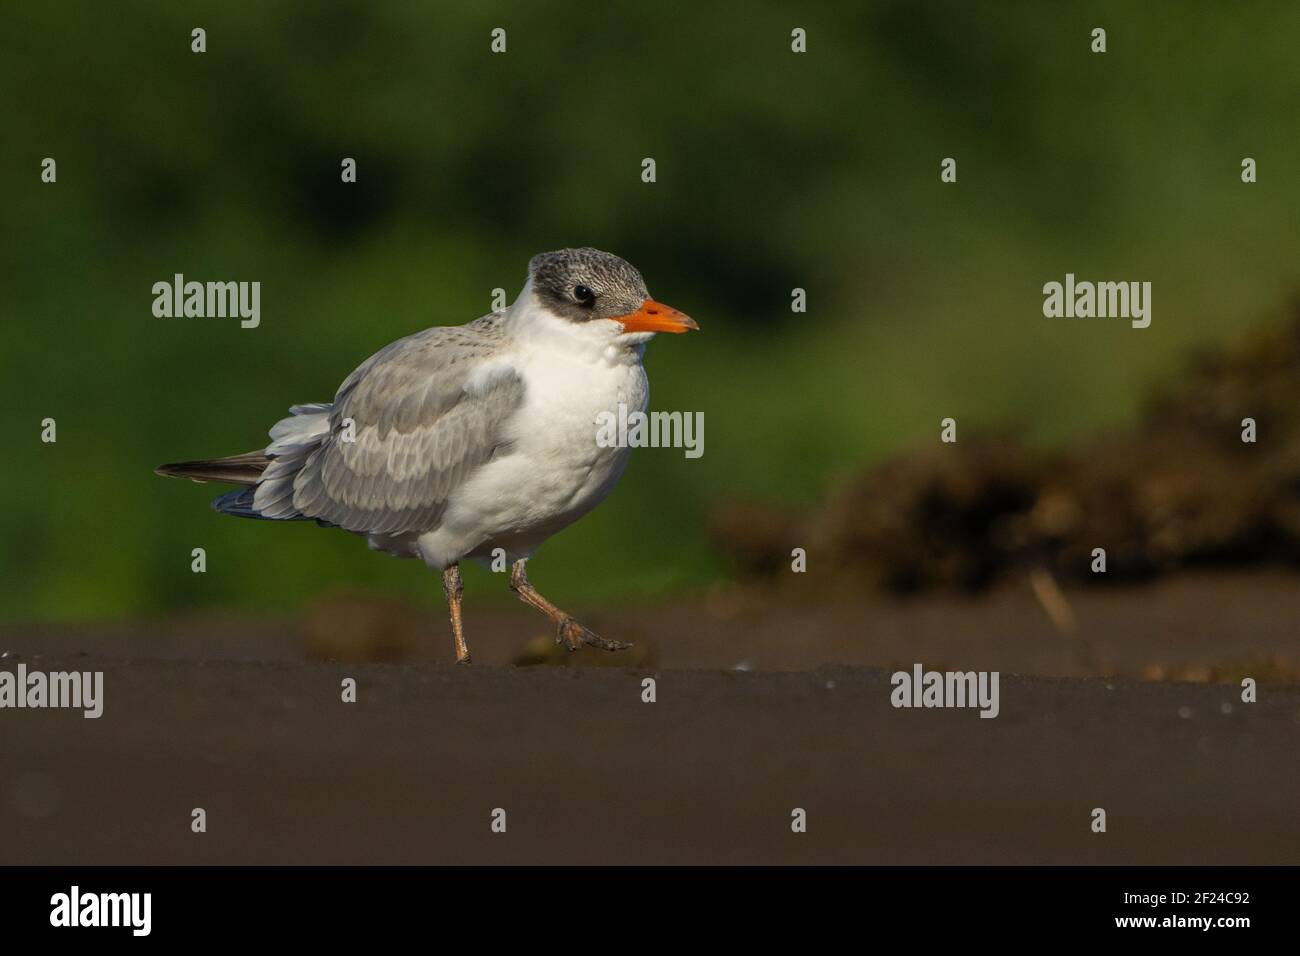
(428, 410)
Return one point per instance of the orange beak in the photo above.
(656, 317)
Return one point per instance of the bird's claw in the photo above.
(573, 636)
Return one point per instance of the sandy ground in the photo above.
(230, 716)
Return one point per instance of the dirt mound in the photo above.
(1185, 487)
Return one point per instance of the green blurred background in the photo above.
(775, 170)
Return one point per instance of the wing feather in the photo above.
(425, 418)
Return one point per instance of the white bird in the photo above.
(457, 441)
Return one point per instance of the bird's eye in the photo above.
(584, 295)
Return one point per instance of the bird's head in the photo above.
(590, 286)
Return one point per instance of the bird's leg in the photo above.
(453, 589)
(567, 631)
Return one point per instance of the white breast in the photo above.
(554, 471)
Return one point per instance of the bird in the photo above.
(474, 441)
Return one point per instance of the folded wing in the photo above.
(405, 430)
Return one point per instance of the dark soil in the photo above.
(233, 716)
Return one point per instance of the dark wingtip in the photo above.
(181, 469)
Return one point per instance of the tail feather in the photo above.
(267, 474)
(243, 469)
(240, 504)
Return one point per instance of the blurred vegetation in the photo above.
(775, 170)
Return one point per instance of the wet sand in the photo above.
(228, 715)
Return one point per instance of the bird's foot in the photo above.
(573, 636)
